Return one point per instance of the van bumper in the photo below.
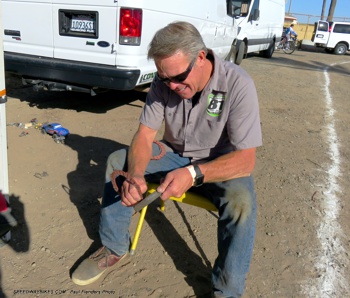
(71, 72)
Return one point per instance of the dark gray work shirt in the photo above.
(226, 117)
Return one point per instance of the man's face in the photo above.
(180, 74)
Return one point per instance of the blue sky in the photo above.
(314, 7)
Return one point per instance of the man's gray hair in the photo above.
(176, 37)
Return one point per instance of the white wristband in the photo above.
(192, 172)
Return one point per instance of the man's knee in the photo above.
(116, 160)
(240, 202)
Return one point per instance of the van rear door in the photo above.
(85, 31)
(29, 29)
(321, 32)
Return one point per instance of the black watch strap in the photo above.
(199, 179)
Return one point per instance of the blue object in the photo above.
(55, 128)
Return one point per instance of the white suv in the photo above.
(333, 36)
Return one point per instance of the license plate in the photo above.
(81, 25)
(78, 23)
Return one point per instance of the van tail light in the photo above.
(330, 29)
(130, 26)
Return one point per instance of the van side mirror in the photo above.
(230, 8)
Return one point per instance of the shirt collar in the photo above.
(217, 81)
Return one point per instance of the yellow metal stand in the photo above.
(187, 198)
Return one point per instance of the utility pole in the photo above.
(323, 9)
(290, 5)
(331, 10)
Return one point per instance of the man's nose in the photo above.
(173, 85)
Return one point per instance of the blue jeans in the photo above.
(235, 200)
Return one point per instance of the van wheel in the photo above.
(340, 49)
(269, 52)
(240, 53)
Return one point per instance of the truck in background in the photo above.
(334, 37)
(90, 45)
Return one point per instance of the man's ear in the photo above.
(201, 58)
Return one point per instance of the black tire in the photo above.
(289, 47)
(240, 53)
(269, 52)
(340, 49)
(56, 138)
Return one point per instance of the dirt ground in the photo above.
(302, 243)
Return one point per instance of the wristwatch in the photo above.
(198, 180)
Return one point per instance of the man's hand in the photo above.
(130, 194)
(175, 183)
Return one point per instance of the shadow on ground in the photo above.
(196, 268)
(20, 235)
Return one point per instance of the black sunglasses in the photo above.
(180, 77)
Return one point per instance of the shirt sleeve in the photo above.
(244, 128)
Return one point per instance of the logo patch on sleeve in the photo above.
(215, 104)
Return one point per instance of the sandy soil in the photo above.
(302, 242)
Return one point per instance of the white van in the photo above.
(260, 27)
(86, 45)
(333, 36)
